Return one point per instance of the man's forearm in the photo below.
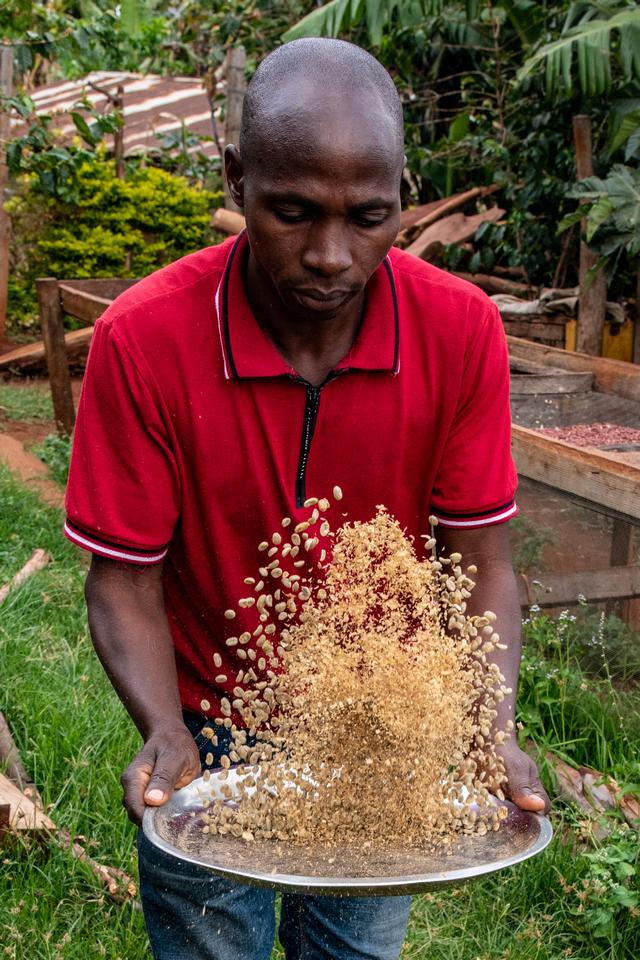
(131, 636)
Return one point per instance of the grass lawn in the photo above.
(75, 739)
(31, 404)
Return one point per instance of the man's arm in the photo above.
(496, 589)
(131, 636)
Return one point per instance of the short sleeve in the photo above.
(123, 492)
(476, 479)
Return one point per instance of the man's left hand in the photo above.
(523, 785)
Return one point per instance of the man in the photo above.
(226, 389)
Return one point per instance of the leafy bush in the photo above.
(570, 695)
(124, 228)
(55, 451)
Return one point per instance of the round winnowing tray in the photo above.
(176, 828)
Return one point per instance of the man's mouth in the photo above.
(315, 297)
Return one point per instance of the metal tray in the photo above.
(176, 828)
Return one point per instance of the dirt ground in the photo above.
(31, 434)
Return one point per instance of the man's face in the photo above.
(322, 212)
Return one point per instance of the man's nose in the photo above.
(327, 250)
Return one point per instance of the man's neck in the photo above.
(312, 345)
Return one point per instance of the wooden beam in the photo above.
(596, 477)
(6, 90)
(593, 289)
(81, 304)
(610, 376)
(554, 382)
(596, 586)
(56, 354)
(107, 287)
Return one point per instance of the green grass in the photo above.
(30, 404)
(75, 739)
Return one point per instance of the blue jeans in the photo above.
(193, 914)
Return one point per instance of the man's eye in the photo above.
(371, 221)
(290, 216)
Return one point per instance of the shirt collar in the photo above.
(248, 352)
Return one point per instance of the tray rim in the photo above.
(349, 886)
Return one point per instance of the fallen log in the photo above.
(37, 561)
(491, 284)
(26, 816)
(32, 355)
(593, 792)
(228, 221)
(118, 884)
(14, 768)
(455, 228)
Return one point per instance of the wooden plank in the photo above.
(24, 816)
(6, 90)
(593, 476)
(596, 586)
(530, 329)
(56, 354)
(553, 382)
(33, 355)
(236, 86)
(622, 554)
(610, 376)
(81, 304)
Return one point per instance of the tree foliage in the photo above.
(489, 88)
(588, 35)
(108, 227)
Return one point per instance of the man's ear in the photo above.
(234, 174)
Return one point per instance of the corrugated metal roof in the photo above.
(153, 105)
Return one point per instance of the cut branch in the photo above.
(37, 560)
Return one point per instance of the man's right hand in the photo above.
(169, 760)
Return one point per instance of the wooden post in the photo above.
(118, 137)
(593, 295)
(622, 555)
(636, 328)
(56, 354)
(236, 86)
(6, 90)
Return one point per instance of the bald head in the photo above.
(313, 85)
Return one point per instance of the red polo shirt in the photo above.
(195, 437)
